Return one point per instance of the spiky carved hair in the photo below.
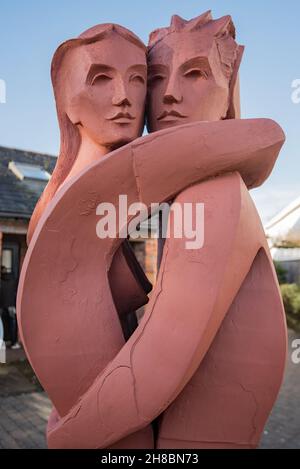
(222, 31)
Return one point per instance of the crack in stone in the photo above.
(254, 429)
(108, 435)
(144, 327)
(136, 175)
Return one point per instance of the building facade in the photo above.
(283, 233)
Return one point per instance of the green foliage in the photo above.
(291, 300)
(281, 272)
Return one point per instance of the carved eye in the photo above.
(136, 78)
(102, 78)
(157, 78)
(195, 73)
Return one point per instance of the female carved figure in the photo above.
(100, 84)
(100, 107)
(105, 391)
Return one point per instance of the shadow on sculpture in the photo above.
(207, 358)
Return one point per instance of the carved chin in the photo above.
(118, 143)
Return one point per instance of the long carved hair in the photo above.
(70, 139)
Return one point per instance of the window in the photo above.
(28, 171)
(6, 261)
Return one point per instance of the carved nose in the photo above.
(171, 98)
(118, 101)
(120, 97)
(172, 94)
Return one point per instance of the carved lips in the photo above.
(122, 118)
(170, 116)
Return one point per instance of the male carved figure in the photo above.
(194, 290)
(193, 70)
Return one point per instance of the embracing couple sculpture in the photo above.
(204, 366)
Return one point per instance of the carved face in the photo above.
(185, 81)
(105, 85)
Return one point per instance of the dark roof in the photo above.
(18, 198)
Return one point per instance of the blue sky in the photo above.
(30, 31)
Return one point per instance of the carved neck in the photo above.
(89, 152)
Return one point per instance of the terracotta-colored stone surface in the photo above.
(99, 81)
(208, 355)
(193, 68)
(56, 264)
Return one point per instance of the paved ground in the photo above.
(24, 410)
(23, 420)
(283, 427)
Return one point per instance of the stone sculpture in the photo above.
(193, 75)
(207, 358)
